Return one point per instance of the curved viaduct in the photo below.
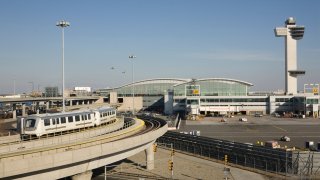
(77, 158)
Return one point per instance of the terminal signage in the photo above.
(315, 91)
(195, 91)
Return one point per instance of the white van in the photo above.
(243, 119)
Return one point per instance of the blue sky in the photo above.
(171, 39)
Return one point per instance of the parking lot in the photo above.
(263, 129)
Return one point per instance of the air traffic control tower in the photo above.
(291, 33)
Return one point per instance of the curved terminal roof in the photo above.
(212, 87)
(209, 87)
(158, 80)
(146, 87)
(217, 79)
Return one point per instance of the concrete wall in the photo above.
(127, 104)
(113, 98)
(168, 103)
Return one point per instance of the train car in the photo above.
(42, 124)
(105, 114)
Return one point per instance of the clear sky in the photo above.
(171, 39)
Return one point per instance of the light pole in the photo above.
(63, 24)
(132, 57)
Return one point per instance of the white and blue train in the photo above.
(42, 124)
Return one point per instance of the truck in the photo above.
(272, 144)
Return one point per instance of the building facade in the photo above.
(218, 96)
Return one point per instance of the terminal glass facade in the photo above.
(155, 87)
(212, 87)
(144, 89)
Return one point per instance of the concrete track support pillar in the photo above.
(47, 105)
(23, 110)
(150, 158)
(38, 107)
(14, 111)
(83, 176)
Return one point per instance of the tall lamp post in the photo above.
(63, 24)
(132, 57)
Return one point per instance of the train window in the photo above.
(70, 119)
(63, 120)
(58, 120)
(77, 118)
(101, 115)
(30, 123)
(53, 121)
(47, 122)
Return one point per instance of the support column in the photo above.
(150, 158)
(47, 105)
(23, 110)
(83, 176)
(37, 107)
(33, 106)
(14, 111)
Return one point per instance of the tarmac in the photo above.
(256, 129)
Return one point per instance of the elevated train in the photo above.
(42, 124)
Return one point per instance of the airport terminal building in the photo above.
(207, 96)
(221, 95)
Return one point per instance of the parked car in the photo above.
(285, 138)
(243, 119)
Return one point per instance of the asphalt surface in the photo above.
(8, 127)
(185, 168)
(257, 129)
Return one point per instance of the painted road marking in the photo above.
(280, 128)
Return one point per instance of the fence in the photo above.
(278, 161)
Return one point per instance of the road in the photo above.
(258, 129)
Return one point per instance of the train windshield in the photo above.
(30, 123)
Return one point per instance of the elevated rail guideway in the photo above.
(76, 154)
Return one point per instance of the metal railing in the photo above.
(278, 161)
